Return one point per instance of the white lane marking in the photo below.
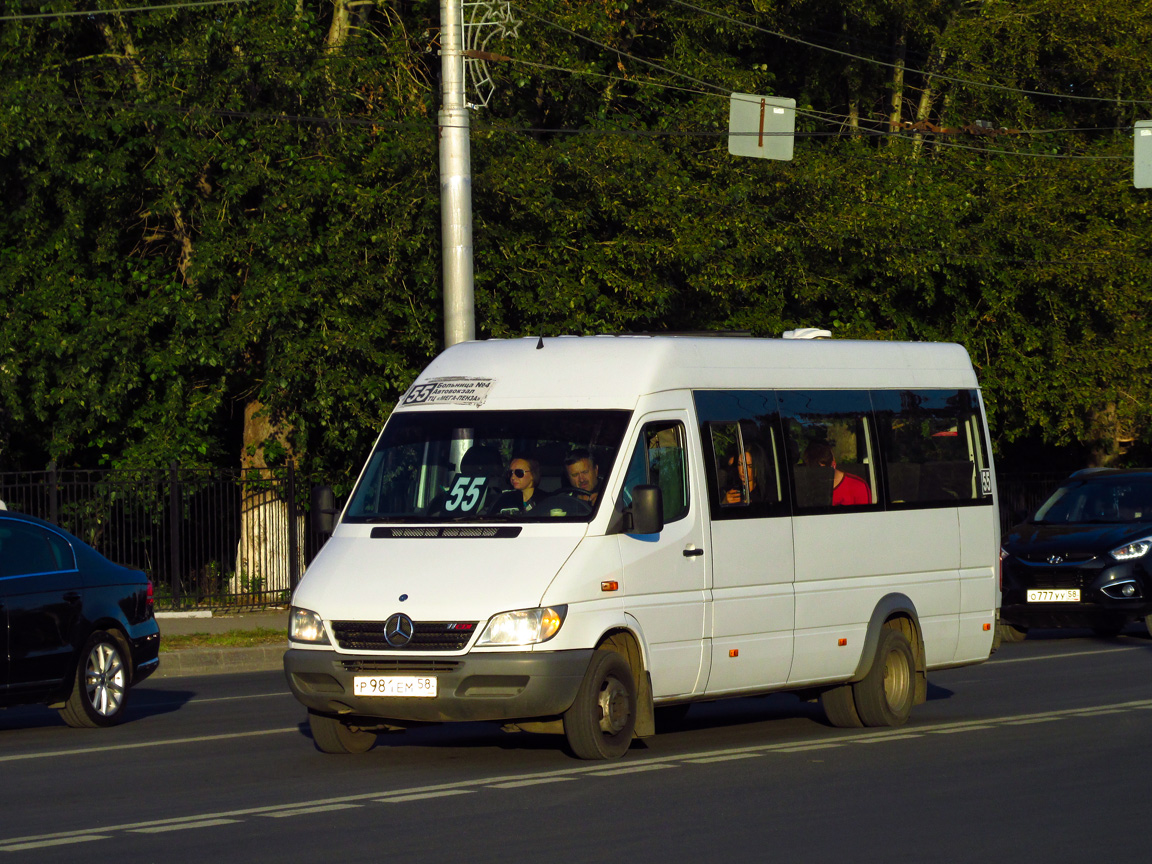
(1097, 652)
(1099, 712)
(464, 787)
(302, 811)
(799, 748)
(136, 745)
(958, 729)
(43, 844)
(516, 784)
(1031, 720)
(710, 759)
(881, 739)
(198, 701)
(631, 769)
(423, 796)
(184, 826)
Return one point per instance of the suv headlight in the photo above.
(1135, 549)
(524, 626)
(304, 625)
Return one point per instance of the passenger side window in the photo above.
(24, 550)
(831, 450)
(661, 459)
(743, 451)
(933, 444)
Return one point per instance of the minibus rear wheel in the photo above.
(840, 707)
(884, 696)
(600, 723)
(333, 735)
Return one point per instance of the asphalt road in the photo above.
(1041, 754)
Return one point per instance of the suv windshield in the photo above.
(1103, 499)
(489, 466)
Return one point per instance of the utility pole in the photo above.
(455, 181)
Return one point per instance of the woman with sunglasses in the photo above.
(522, 475)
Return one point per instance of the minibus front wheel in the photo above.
(333, 735)
(600, 723)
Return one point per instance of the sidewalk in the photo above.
(213, 661)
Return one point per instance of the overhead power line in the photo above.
(1001, 87)
(92, 12)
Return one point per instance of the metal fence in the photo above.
(1021, 494)
(229, 539)
(207, 538)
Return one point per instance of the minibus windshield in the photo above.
(488, 466)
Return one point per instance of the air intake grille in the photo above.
(426, 636)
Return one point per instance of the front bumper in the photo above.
(499, 686)
(1095, 608)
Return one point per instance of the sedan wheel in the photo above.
(101, 686)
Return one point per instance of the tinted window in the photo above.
(1104, 499)
(933, 445)
(831, 452)
(743, 453)
(25, 549)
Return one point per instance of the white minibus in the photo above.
(568, 534)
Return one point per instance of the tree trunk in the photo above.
(899, 52)
(263, 556)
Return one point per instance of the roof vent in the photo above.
(808, 333)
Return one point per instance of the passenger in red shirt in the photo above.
(847, 489)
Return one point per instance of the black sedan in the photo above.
(1084, 559)
(78, 629)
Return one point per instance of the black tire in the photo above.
(884, 696)
(840, 707)
(1012, 633)
(600, 723)
(333, 735)
(100, 690)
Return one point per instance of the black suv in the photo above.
(1084, 559)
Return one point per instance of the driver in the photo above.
(584, 475)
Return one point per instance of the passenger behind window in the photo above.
(523, 476)
(847, 489)
(743, 482)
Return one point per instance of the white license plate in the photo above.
(1054, 595)
(394, 685)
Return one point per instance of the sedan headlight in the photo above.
(304, 625)
(524, 626)
(1135, 549)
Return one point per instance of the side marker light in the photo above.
(841, 642)
(609, 586)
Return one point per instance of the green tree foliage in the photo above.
(214, 208)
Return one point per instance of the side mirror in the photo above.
(324, 510)
(647, 511)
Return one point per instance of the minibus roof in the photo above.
(614, 371)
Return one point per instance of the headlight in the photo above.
(305, 625)
(1135, 549)
(524, 626)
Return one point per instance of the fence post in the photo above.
(293, 538)
(174, 531)
(53, 495)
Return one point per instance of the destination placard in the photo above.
(449, 391)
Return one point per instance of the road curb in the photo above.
(218, 661)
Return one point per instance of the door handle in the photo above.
(692, 551)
